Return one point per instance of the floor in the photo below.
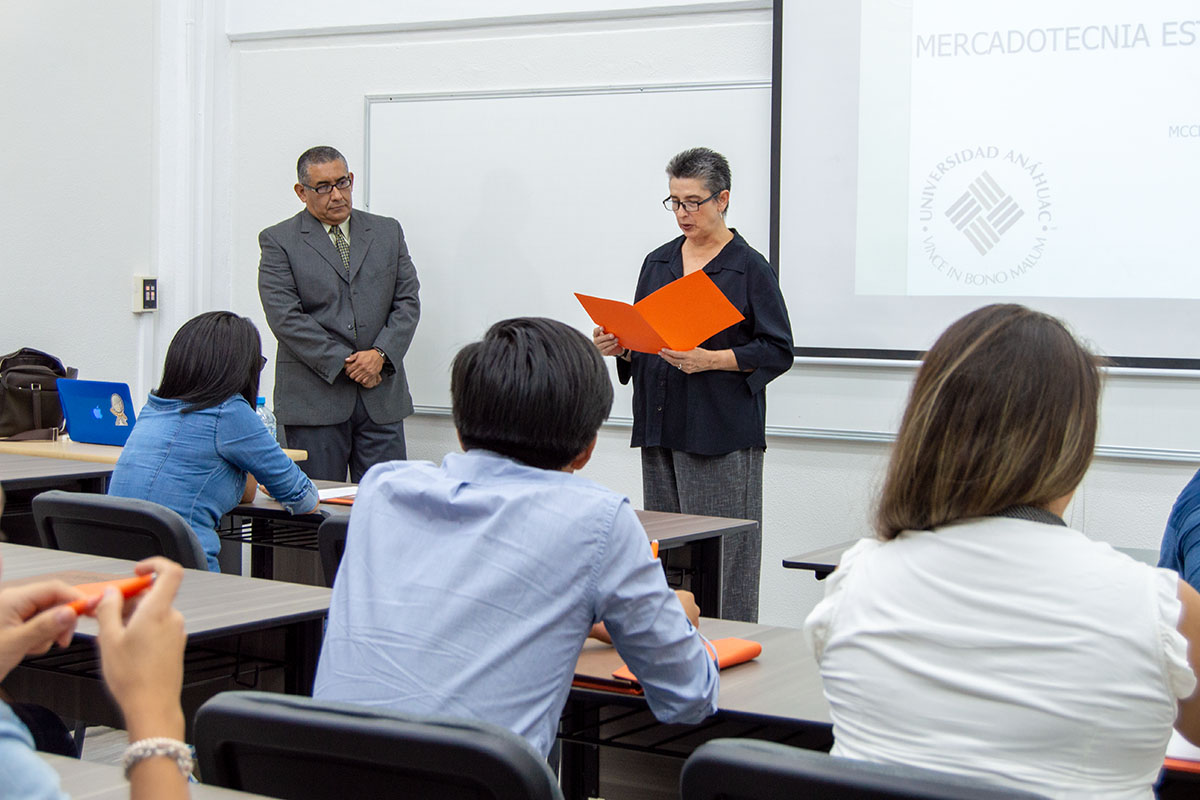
(626, 775)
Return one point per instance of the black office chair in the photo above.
(119, 527)
(331, 542)
(750, 769)
(298, 748)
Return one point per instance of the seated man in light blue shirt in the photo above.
(467, 590)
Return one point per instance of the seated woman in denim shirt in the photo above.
(198, 447)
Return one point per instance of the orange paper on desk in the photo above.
(730, 651)
(1181, 765)
(679, 316)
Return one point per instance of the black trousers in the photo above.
(356, 444)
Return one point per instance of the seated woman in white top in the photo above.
(979, 635)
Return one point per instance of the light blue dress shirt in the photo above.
(195, 464)
(23, 775)
(467, 590)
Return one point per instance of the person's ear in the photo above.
(581, 460)
(300, 193)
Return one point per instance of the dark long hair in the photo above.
(533, 389)
(1003, 412)
(212, 358)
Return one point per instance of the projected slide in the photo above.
(1028, 149)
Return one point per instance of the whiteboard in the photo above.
(512, 201)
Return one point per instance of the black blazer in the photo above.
(713, 413)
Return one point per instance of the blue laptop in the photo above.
(98, 412)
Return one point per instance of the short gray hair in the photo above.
(322, 154)
(709, 166)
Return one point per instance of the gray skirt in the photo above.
(729, 485)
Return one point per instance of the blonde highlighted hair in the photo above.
(1003, 412)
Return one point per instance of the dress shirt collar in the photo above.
(722, 260)
(345, 226)
(1032, 514)
(479, 463)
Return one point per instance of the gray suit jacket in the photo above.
(320, 316)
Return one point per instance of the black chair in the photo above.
(298, 748)
(331, 542)
(749, 769)
(118, 527)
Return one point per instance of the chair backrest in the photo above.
(119, 527)
(298, 748)
(749, 769)
(331, 542)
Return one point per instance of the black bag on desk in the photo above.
(29, 407)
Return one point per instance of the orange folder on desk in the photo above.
(729, 651)
(679, 316)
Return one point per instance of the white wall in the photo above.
(77, 210)
(261, 19)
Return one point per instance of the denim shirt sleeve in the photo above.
(23, 775)
(651, 632)
(243, 441)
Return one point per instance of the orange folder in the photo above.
(729, 651)
(340, 501)
(679, 316)
(620, 687)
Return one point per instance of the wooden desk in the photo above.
(242, 633)
(283, 546)
(820, 562)
(270, 529)
(778, 696)
(86, 780)
(23, 477)
(81, 451)
(704, 537)
(824, 561)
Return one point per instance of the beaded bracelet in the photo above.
(159, 746)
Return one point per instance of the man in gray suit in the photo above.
(340, 294)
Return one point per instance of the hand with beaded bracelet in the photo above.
(141, 655)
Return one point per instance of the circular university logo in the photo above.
(983, 217)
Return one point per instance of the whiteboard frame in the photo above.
(560, 91)
(365, 181)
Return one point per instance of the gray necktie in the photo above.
(339, 240)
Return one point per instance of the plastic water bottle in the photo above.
(264, 413)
